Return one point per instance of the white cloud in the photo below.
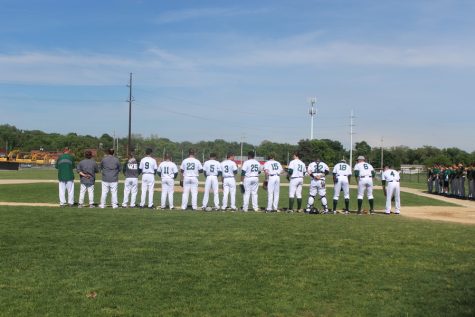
(184, 15)
(208, 66)
(340, 53)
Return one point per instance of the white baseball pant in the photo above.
(229, 188)
(251, 186)
(190, 184)
(341, 183)
(106, 187)
(148, 184)
(365, 183)
(273, 192)
(295, 187)
(66, 187)
(90, 193)
(130, 189)
(317, 187)
(211, 183)
(393, 189)
(168, 188)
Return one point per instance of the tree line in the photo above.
(330, 151)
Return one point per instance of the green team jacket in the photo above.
(65, 165)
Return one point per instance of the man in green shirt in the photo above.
(65, 165)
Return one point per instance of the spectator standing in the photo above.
(110, 167)
(65, 165)
(87, 170)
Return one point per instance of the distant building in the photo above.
(412, 168)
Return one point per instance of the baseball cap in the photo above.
(361, 157)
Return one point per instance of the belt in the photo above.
(228, 176)
(393, 181)
(274, 175)
(365, 176)
(297, 177)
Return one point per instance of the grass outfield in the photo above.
(48, 193)
(31, 173)
(144, 263)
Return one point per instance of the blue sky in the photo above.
(205, 70)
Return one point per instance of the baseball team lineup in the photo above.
(225, 178)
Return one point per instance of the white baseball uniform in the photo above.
(365, 179)
(317, 171)
(273, 169)
(250, 170)
(190, 168)
(131, 171)
(148, 166)
(341, 172)
(296, 178)
(167, 171)
(212, 170)
(392, 189)
(229, 169)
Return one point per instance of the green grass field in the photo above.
(174, 263)
(149, 263)
(48, 193)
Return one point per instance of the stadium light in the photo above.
(313, 113)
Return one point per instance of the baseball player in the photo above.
(87, 170)
(229, 169)
(190, 170)
(168, 171)
(295, 174)
(148, 167)
(341, 179)
(131, 173)
(364, 173)
(317, 171)
(272, 169)
(390, 178)
(250, 171)
(471, 181)
(110, 167)
(211, 170)
(430, 180)
(65, 165)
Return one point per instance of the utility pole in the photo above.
(351, 137)
(242, 141)
(312, 112)
(129, 145)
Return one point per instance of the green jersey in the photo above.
(64, 165)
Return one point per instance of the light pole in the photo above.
(313, 113)
(130, 116)
(351, 138)
(242, 141)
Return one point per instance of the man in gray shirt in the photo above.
(87, 170)
(131, 172)
(110, 167)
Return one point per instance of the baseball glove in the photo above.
(241, 186)
(264, 185)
